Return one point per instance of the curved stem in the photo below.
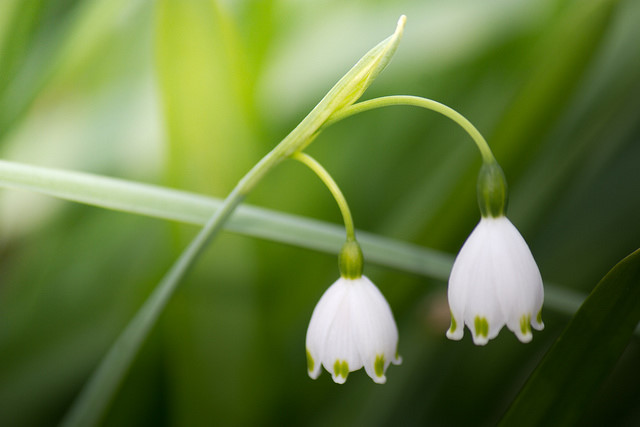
(96, 395)
(416, 101)
(333, 188)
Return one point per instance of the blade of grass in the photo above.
(18, 26)
(175, 205)
(54, 53)
(559, 390)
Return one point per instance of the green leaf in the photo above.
(34, 56)
(93, 400)
(563, 384)
(190, 208)
(18, 27)
(347, 91)
(203, 96)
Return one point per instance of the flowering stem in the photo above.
(492, 185)
(416, 101)
(95, 396)
(333, 188)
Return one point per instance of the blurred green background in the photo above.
(190, 94)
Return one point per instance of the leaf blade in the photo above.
(176, 205)
(573, 369)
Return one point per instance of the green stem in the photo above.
(189, 208)
(416, 101)
(94, 398)
(333, 188)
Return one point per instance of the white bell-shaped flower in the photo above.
(495, 281)
(352, 326)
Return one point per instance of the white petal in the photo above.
(375, 330)
(522, 290)
(352, 326)
(495, 281)
(340, 355)
(472, 287)
(322, 318)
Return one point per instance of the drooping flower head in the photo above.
(352, 326)
(494, 280)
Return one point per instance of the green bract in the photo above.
(492, 190)
(347, 91)
(350, 260)
(344, 93)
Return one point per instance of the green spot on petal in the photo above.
(310, 362)
(539, 316)
(525, 320)
(482, 326)
(378, 365)
(345, 369)
(341, 369)
(454, 325)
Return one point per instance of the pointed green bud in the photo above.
(347, 91)
(350, 260)
(351, 87)
(492, 190)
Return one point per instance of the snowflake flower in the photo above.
(495, 281)
(352, 326)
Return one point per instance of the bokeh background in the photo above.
(190, 94)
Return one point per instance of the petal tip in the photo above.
(313, 374)
(339, 379)
(525, 338)
(340, 371)
(379, 380)
(402, 21)
(480, 340)
(455, 335)
(537, 323)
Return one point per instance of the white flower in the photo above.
(495, 281)
(352, 326)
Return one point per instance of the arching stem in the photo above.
(416, 101)
(326, 178)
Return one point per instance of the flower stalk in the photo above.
(494, 280)
(417, 101)
(330, 183)
(98, 392)
(350, 259)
